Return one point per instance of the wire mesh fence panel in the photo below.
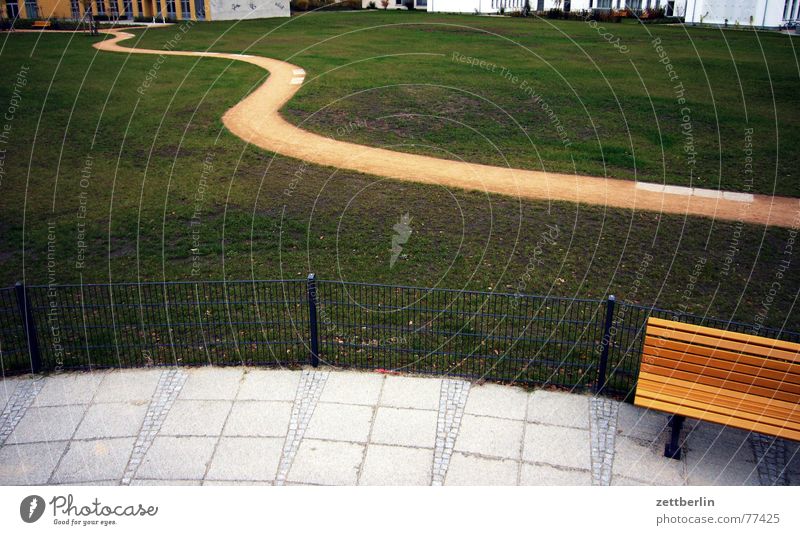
(470, 334)
(13, 344)
(123, 325)
(480, 335)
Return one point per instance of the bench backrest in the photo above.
(742, 380)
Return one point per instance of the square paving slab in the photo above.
(557, 446)
(259, 419)
(333, 421)
(321, 462)
(497, 401)
(69, 389)
(352, 388)
(405, 427)
(269, 385)
(492, 437)
(411, 392)
(559, 408)
(135, 386)
(243, 459)
(94, 460)
(108, 420)
(212, 383)
(177, 458)
(42, 424)
(395, 465)
(474, 470)
(196, 417)
(29, 464)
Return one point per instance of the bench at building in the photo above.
(740, 380)
(41, 24)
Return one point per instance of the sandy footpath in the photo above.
(256, 119)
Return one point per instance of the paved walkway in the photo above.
(257, 120)
(323, 427)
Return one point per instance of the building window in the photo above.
(139, 7)
(422, 3)
(32, 9)
(603, 4)
(75, 9)
(186, 10)
(101, 7)
(170, 9)
(634, 5)
(12, 9)
(200, 9)
(114, 9)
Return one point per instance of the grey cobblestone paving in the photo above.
(603, 431)
(452, 400)
(770, 454)
(169, 386)
(18, 403)
(309, 391)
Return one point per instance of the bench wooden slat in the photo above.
(735, 379)
(721, 354)
(727, 375)
(681, 402)
(716, 391)
(757, 367)
(728, 335)
(724, 399)
(723, 419)
(720, 343)
(721, 383)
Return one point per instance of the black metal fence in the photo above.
(544, 340)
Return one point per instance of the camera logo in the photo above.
(31, 509)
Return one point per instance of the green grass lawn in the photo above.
(169, 194)
(401, 79)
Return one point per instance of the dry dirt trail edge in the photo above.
(256, 119)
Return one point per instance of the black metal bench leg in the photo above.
(673, 449)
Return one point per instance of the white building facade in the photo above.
(761, 13)
(764, 13)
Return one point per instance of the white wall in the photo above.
(248, 9)
(768, 13)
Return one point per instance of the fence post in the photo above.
(25, 310)
(312, 318)
(606, 344)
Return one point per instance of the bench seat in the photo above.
(740, 380)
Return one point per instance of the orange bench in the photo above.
(41, 24)
(741, 380)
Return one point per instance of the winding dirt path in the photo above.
(256, 119)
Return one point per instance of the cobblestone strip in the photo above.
(770, 453)
(167, 390)
(22, 398)
(308, 392)
(452, 400)
(603, 430)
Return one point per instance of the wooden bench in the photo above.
(41, 24)
(741, 380)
